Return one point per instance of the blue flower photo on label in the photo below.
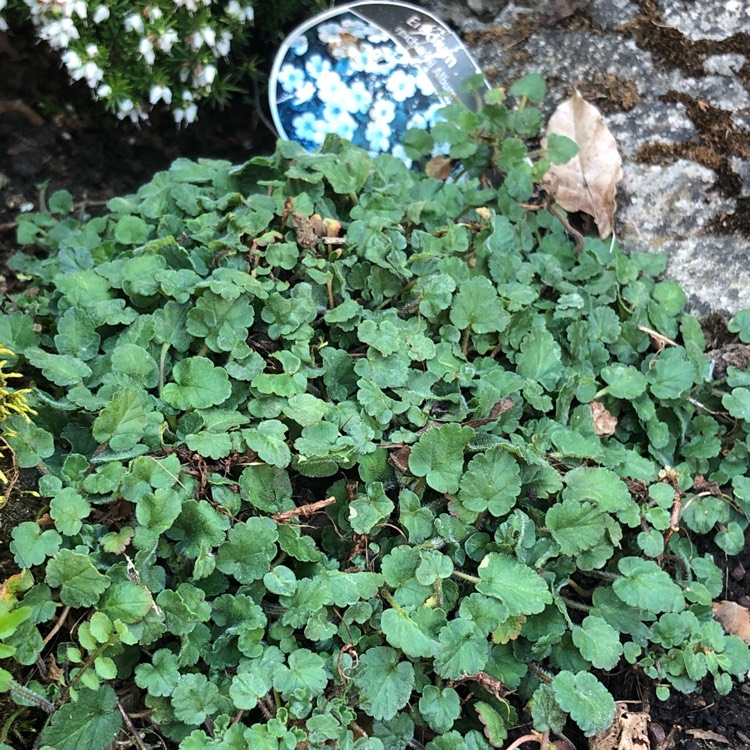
(346, 76)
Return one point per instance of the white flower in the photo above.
(243, 13)
(154, 12)
(208, 35)
(59, 33)
(357, 27)
(339, 121)
(146, 49)
(304, 93)
(134, 22)
(204, 75)
(330, 87)
(92, 50)
(160, 93)
(401, 85)
(378, 135)
(360, 97)
(316, 65)
(299, 45)
(291, 78)
(329, 32)
(166, 40)
(104, 91)
(93, 74)
(80, 9)
(424, 84)
(383, 111)
(223, 45)
(307, 128)
(72, 61)
(3, 23)
(124, 107)
(184, 116)
(100, 14)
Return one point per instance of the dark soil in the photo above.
(46, 145)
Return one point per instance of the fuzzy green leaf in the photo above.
(198, 384)
(249, 685)
(516, 585)
(601, 486)
(31, 546)
(220, 322)
(249, 549)
(737, 403)
(440, 707)
(123, 421)
(463, 650)
(194, 698)
(478, 307)
(384, 682)
(80, 583)
(586, 700)
(671, 375)
(89, 723)
(268, 441)
(439, 456)
(160, 676)
(368, 511)
(598, 642)
(492, 482)
(645, 585)
(402, 632)
(68, 509)
(539, 358)
(305, 669)
(126, 601)
(624, 381)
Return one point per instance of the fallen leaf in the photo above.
(629, 731)
(604, 422)
(734, 618)
(707, 734)
(439, 167)
(588, 182)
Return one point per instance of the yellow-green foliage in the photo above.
(12, 401)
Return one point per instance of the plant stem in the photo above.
(466, 577)
(38, 700)
(534, 737)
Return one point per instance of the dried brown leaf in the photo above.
(604, 422)
(588, 182)
(629, 731)
(734, 618)
(707, 734)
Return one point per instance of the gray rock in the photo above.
(713, 271)
(611, 14)
(724, 65)
(650, 121)
(662, 203)
(718, 19)
(741, 167)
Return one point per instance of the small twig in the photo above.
(659, 339)
(303, 510)
(60, 622)
(667, 741)
(575, 235)
(131, 728)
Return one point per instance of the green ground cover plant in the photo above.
(339, 454)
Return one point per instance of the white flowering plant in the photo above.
(135, 56)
